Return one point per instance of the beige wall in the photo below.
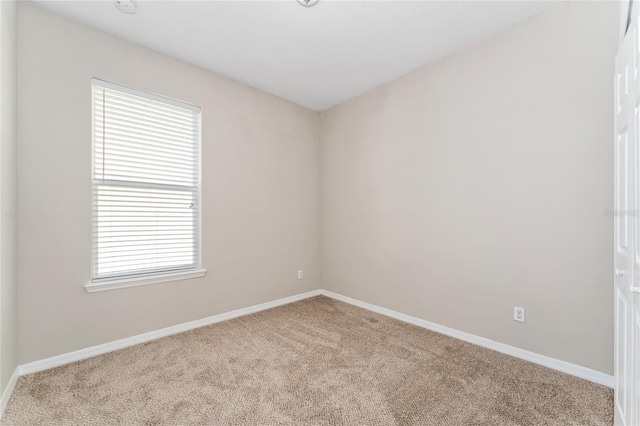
(8, 297)
(479, 182)
(260, 170)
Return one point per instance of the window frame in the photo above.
(115, 282)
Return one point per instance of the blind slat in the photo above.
(142, 170)
(101, 136)
(122, 110)
(149, 153)
(149, 247)
(149, 131)
(165, 104)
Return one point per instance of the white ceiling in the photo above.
(316, 57)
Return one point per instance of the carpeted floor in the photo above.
(314, 362)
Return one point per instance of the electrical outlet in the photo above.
(300, 274)
(518, 314)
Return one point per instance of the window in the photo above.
(145, 188)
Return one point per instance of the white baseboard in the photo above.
(6, 395)
(81, 354)
(553, 363)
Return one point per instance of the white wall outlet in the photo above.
(300, 274)
(518, 314)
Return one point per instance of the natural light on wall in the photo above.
(145, 185)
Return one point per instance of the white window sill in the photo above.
(138, 281)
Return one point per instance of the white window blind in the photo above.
(145, 184)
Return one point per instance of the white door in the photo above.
(627, 229)
(634, 289)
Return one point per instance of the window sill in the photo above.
(135, 282)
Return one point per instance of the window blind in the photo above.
(145, 187)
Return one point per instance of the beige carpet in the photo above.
(314, 362)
